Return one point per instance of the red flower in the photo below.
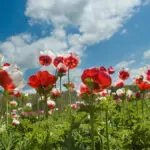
(96, 78)
(148, 75)
(119, 84)
(58, 60)
(61, 68)
(139, 80)
(45, 58)
(42, 79)
(102, 68)
(6, 65)
(84, 88)
(15, 94)
(55, 92)
(111, 70)
(11, 78)
(124, 75)
(6, 81)
(74, 106)
(71, 61)
(144, 85)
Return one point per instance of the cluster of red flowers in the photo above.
(143, 84)
(70, 61)
(95, 80)
(123, 75)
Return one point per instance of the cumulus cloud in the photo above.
(21, 49)
(124, 64)
(147, 54)
(96, 20)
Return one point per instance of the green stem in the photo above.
(92, 129)
(137, 108)
(38, 108)
(92, 122)
(68, 75)
(7, 112)
(46, 107)
(142, 105)
(60, 84)
(107, 132)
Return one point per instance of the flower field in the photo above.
(100, 115)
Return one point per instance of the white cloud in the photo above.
(96, 20)
(124, 64)
(147, 54)
(22, 50)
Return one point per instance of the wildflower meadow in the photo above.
(99, 115)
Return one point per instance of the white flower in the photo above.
(129, 93)
(102, 98)
(15, 122)
(120, 92)
(13, 103)
(51, 103)
(26, 94)
(29, 105)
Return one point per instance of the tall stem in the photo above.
(38, 107)
(92, 129)
(7, 112)
(92, 122)
(60, 83)
(69, 94)
(46, 107)
(107, 132)
(137, 108)
(68, 75)
(142, 105)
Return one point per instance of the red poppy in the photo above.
(110, 70)
(71, 61)
(58, 60)
(42, 79)
(144, 85)
(139, 80)
(84, 88)
(102, 68)
(61, 68)
(6, 64)
(124, 75)
(55, 93)
(148, 75)
(15, 94)
(119, 84)
(45, 60)
(96, 79)
(6, 82)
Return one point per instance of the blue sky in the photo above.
(120, 41)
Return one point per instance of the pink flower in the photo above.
(74, 106)
(51, 104)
